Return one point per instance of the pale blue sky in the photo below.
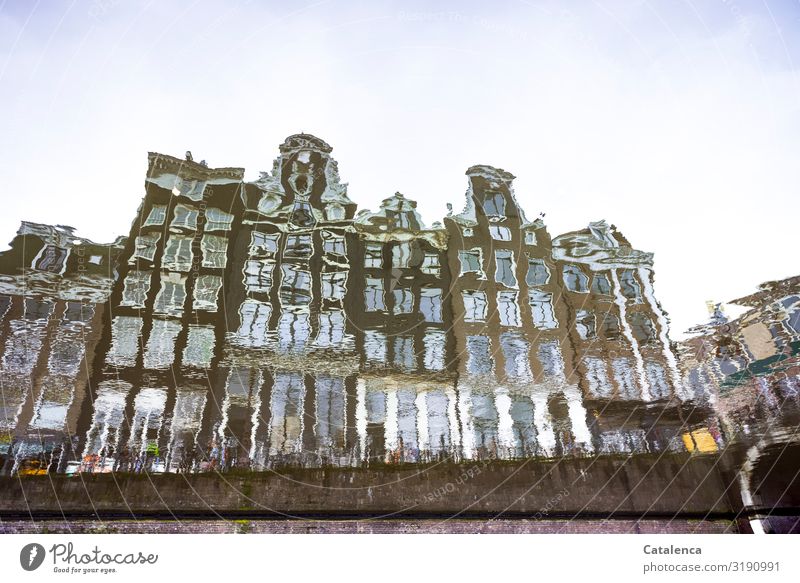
(677, 121)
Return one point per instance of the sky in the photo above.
(676, 121)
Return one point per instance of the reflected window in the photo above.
(538, 273)
(333, 244)
(373, 255)
(191, 189)
(515, 354)
(575, 279)
(629, 285)
(218, 220)
(471, 262)
(160, 350)
(157, 216)
(331, 329)
(494, 204)
(499, 233)
(199, 348)
(375, 347)
(479, 358)
(51, 259)
(530, 238)
(541, 303)
(125, 332)
(294, 331)
(298, 246)
(434, 341)
(403, 301)
(295, 285)
(430, 304)
(657, 379)
(334, 285)
(215, 251)
(551, 359)
(642, 327)
(467, 232)
(36, 309)
(263, 244)
(206, 290)
(430, 264)
(611, 326)
(373, 294)
(145, 246)
(505, 267)
(258, 275)
(597, 377)
(585, 324)
(178, 253)
(508, 309)
(404, 355)
(172, 295)
(254, 317)
(302, 215)
(625, 378)
(137, 284)
(475, 306)
(185, 217)
(75, 312)
(601, 285)
(401, 255)
(335, 212)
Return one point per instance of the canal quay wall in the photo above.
(678, 492)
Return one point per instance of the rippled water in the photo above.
(259, 325)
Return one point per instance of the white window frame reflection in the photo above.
(178, 253)
(499, 233)
(505, 268)
(185, 217)
(373, 256)
(430, 304)
(171, 297)
(542, 313)
(137, 285)
(215, 251)
(374, 295)
(403, 300)
(264, 244)
(508, 309)
(156, 216)
(206, 292)
(476, 305)
(145, 246)
(334, 285)
(468, 259)
(575, 279)
(258, 275)
(218, 220)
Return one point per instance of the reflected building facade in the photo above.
(749, 367)
(54, 288)
(266, 323)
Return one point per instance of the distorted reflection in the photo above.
(264, 324)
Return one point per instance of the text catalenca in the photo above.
(672, 550)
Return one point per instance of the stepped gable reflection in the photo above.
(268, 323)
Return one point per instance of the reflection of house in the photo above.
(403, 316)
(53, 286)
(164, 318)
(750, 367)
(267, 322)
